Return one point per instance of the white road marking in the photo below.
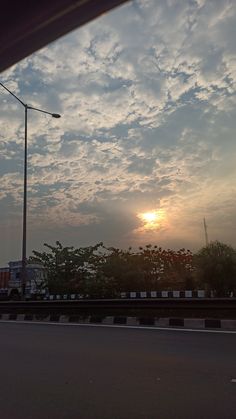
(233, 380)
(170, 329)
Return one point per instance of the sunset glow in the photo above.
(151, 219)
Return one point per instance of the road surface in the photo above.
(73, 372)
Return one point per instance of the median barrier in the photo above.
(162, 322)
(63, 319)
(213, 323)
(119, 320)
(194, 323)
(229, 324)
(146, 321)
(132, 321)
(12, 316)
(176, 322)
(108, 320)
(141, 294)
(136, 294)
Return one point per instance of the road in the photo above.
(73, 372)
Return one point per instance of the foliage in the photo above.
(67, 268)
(216, 268)
(123, 267)
(97, 271)
(149, 268)
(177, 269)
(103, 272)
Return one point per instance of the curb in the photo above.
(189, 323)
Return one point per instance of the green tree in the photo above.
(68, 269)
(98, 271)
(177, 269)
(149, 268)
(121, 268)
(216, 268)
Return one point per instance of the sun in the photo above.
(149, 217)
(152, 220)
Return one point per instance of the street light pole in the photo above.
(24, 235)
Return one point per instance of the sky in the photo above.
(147, 98)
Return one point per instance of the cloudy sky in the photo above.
(147, 97)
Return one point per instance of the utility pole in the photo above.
(205, 230)
(24, 235)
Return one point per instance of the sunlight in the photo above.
(151, 219)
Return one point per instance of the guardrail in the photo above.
(220, 303)
(224, 308)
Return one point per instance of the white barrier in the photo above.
(134, 294)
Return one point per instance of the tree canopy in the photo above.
(67, 268)
(216, 268)
(99, 271)
(106, 271)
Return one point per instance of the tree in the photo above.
(216, 268)
(150, 268)
(177, 269)
(98, 271)
(68, 269)
(121, 268)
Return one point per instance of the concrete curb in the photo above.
(209, 323)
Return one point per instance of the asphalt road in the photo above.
(71, 372)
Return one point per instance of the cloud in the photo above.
(147, 97)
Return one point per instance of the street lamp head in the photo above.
(56, 115)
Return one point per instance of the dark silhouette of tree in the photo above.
(149, 268)
(123, 268)
(104, 272)
(216, 268)
(68, 269)
(177, 269)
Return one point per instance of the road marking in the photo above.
(170, 329)
(233, 380)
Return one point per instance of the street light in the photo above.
(24, 237)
